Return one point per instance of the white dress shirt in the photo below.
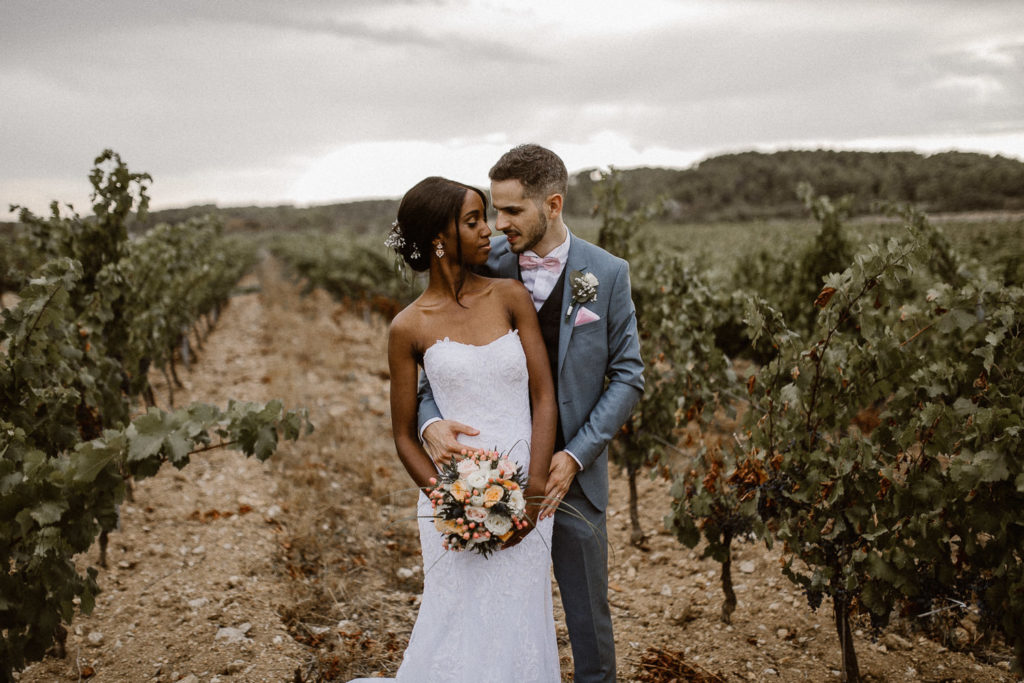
(540, 281)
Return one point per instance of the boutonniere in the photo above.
(584, 289)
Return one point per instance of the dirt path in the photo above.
(233, 570)
(193, 590)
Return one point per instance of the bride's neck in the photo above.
(448, 280)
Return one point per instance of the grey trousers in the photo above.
(579, 553)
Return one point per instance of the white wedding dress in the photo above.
(484, 619)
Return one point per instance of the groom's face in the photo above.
(520, 218)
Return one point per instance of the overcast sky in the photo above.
(309, 101)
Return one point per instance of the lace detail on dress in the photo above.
(486, 387)
(501, 603)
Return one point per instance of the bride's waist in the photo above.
(493, 422)
(506, 439)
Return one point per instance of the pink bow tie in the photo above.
(530, 262)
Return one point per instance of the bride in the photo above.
(480, 345)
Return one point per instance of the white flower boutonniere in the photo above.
(584, 289)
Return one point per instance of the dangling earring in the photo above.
(439, 250)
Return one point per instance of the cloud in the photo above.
(248, 94)
(388, 169)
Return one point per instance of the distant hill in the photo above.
(758, 185)
(360, 216)
(748, 185)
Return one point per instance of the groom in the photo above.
(594, 352)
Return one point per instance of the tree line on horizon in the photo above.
(729, 187)
(756, 185)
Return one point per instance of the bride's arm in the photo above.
(404, 375)
(542, 390)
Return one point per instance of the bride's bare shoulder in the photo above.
(508, 288)
(515, 294)
(404, 326)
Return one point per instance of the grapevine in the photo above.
(904, 510)
(95, 313)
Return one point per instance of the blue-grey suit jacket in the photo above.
(600, 373)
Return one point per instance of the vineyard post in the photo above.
(170, 386)
(186, 350)
(174, 369)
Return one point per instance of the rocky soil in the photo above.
(305, 568)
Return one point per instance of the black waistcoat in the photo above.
(550, 316)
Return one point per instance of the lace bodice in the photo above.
(486, 387)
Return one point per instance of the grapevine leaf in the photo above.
(880, 569)
(987, 355)
(957, 320)
(963, 407)
(147, 434)
(88, 595)
(266, 442)
(9, 482)
(984, 419)
(924, 487)
(178, 446)
(48, 512)
(92, 457)
(992, 466)
(790, 393)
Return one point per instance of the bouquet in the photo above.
(478, 501)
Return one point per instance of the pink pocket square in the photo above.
(584, 316)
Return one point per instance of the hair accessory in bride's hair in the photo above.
(396, 240)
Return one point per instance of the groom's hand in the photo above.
(563, 468)
(440, 440)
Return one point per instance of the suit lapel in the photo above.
(575, 261)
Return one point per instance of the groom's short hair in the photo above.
(541, 171)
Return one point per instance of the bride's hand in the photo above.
(533, 509)
(441, 442)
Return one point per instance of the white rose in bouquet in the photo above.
(477, 479)
(498, 524)
(476, 514)
(506, 468)
(467, 467)
(516, 502)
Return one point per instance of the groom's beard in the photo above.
(537, 234)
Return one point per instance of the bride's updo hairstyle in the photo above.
(424, 213)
